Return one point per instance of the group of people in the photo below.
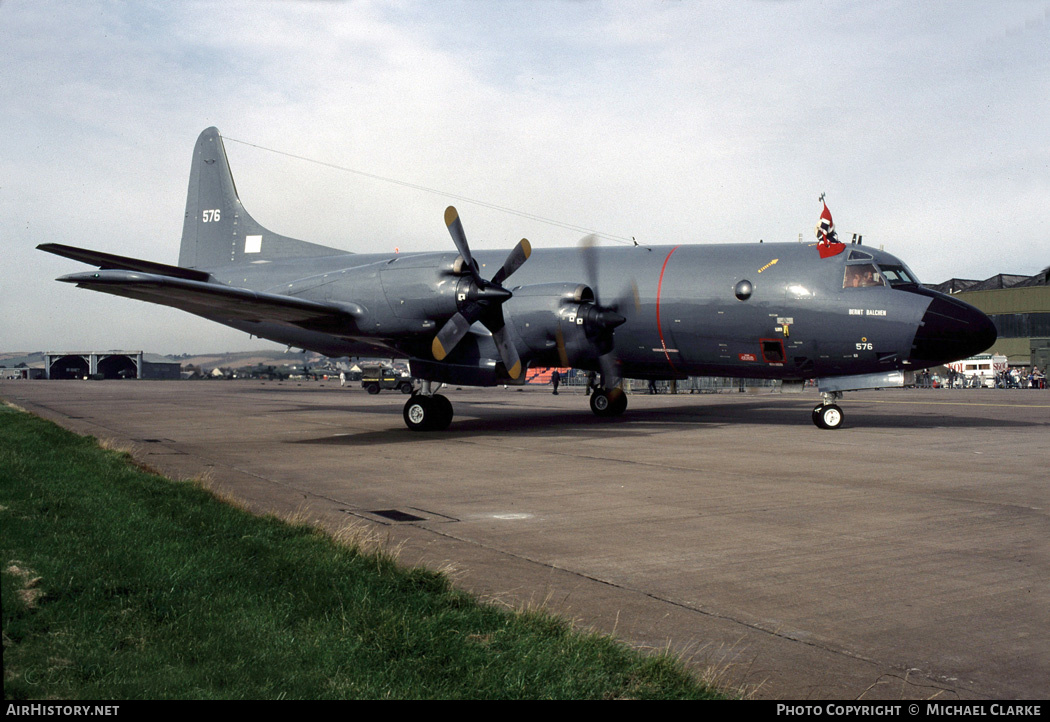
(1015, 378)
(1022, 378)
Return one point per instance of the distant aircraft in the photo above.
(849, 316)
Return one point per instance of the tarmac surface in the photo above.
(904, 556)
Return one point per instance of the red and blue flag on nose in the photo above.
(827, 240)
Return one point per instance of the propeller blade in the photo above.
(610, 370)
(485, 300)
(604, 319)
(629, 300)
(459, 237)
(507, 352)
(563, 353)
(450, 335)
(589, 253)
(492, 319)
(517, 257)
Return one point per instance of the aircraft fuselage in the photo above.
(801, 319)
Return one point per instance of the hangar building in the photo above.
(1019, 306)
(109, 365)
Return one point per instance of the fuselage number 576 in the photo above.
(211, 216)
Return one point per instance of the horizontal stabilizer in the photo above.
(219, 302)
(111, 261)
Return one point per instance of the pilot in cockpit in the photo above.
(861, 276)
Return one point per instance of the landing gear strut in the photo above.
(828, 415)
(427, 411)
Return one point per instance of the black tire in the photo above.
(406, 388)
(600, 403)
(608, 403)
(419, 413)
(427, 413)
(828, 416)
(373, 388)
(443, 417)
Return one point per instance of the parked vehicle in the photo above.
(981, 370)
(376, 378)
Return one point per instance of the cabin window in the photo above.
(861, 275)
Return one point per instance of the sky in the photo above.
(927, 126)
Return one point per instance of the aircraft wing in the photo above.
(217, 301)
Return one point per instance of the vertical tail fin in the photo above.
(217, 231)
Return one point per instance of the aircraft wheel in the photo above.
(828, 416)
(418, 413)
(373, 388)
(600, 403)
(428, 413)
(608, 403)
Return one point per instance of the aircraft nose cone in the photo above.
(951, 330)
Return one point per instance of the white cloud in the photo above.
(672, 122)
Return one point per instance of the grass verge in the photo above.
(120, 584)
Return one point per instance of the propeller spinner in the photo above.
(481, 301)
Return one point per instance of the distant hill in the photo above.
(225, 359)
(240, 359)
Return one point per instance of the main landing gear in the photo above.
(608, 403)
(428, 411)
(828, 415)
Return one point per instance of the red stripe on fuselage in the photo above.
(659, 288)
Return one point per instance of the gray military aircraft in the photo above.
(847, 315)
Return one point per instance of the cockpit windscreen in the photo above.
(898, 275)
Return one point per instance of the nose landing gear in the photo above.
(828, 415)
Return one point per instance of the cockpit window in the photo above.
(898, 275)
(861, 276)
(859, 256)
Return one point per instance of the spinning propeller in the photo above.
(599, 321)
(481, 300)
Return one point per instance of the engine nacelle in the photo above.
(404, 297)
(551, 323)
